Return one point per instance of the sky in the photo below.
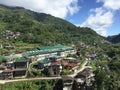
(103, 16)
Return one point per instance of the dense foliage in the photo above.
(108, 68)
(114, 39)
(29, 85)
(43, 28)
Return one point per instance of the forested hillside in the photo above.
(43, 28)
(23, 29)
(114, 39)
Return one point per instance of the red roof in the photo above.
(1, 66)
(64, 62)
(75, 61)
(72, 65)
(55, 63)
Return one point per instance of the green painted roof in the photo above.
(2, 57)
(48, 49)
(44, 61)
(13, 58)
(20, 59)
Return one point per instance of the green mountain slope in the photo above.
(43, 28)
(114, 39)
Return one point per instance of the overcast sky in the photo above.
(101, 15)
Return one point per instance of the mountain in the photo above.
(114, 39)
(42, 28)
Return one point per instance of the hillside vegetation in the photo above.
(43, 28)
(114, 39)
(30, 29)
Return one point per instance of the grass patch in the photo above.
(92, 64)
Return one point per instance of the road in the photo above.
(28, 79)
(44, 78)
(81, 69)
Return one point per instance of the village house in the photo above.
(5, 73)
(20, 66)
(64, 62)
(43, 63)
(16, 67)
(85, 77)
(72, 63)
(67, 82)
(52, 63)
(55, 69)
(8, 34)
(72, 60)
(71, 66)
(92, 55)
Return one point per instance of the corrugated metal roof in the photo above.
(44, 61)
(48, 49)
(20, 59)
(1, 58)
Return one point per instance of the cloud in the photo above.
(58, 8)
(102, 18)
(111, 4)
(99, 20)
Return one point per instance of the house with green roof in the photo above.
(20, 66)
(44, 62)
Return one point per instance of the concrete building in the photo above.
(16, 67)
(20, 66)
(5, 73)
(43, 52)
(55, 69)
(86, 77)
(67, 82)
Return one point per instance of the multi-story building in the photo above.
(20, 67)
(5, 73)
(16, 67)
